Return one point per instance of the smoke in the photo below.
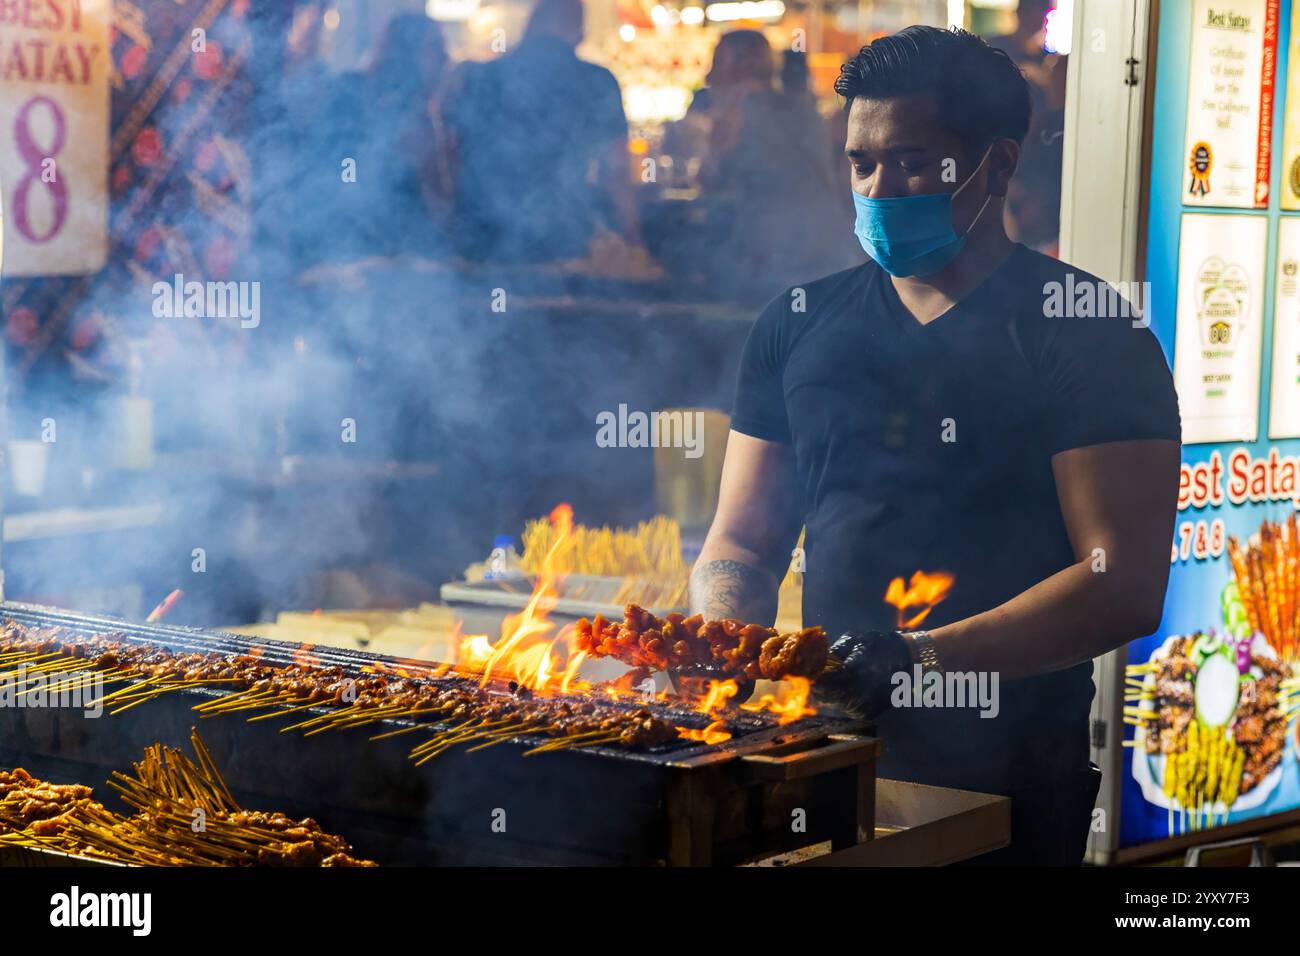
(406, 392)
(275, 441)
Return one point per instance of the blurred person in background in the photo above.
(774, 200)
(403, 199)
(1024, 44)
(796, 81)
(298, 114)
(540, 138)
(797, 93)
(1034, 200)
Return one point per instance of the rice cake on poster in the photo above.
(1217, 334)
(1284, 396)
(54, 127)
(1230, 83)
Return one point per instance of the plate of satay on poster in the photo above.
(1211, 709)
(1210, 726)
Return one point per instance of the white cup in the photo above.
(27, 459)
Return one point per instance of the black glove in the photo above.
(864, 682)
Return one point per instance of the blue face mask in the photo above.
(913, 235)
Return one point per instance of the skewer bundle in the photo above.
(1203, 766)
(1267, 571)
(648, 557)
(185, 816)
(652, 549)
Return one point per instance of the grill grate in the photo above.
(747, 728)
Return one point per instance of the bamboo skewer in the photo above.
(283, 710)
(403, 730)
(592, 739)
(501, 736)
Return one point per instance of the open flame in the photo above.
(715, 733)
(916, 600)
(533, 654)
(303, 657)
(526, 651)
(789, 703)
(562, 517)
(720, 691)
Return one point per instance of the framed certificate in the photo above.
(1231, 78)
(1284, 396)
(1218, 330)
(1290, 191)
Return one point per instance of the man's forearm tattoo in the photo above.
(733, 589)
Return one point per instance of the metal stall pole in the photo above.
(1107, 109)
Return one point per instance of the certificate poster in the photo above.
(54, 116)
(1231, 78)
(1217, 336)
(1284, 400)
(1290, 198)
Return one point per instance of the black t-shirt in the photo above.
(929, 447)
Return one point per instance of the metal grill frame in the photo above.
(687, 805)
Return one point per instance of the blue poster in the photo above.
(1210, 699)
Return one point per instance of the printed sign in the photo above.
(1284, 399)
(1290, 192)
(1218, 330)
(1230, 86)
(54, 119)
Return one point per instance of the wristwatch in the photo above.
(923, 649)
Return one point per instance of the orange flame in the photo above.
(789, 703)
(158, 613)
(303, 657)
(531, 652)
(526, 651)
(925, 591)
(720, 691)
(715, 733)
(561, 517)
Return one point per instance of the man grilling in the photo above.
(929, 410)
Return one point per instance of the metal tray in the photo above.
(13, 855)
(515, 591)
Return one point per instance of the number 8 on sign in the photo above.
(39, 169)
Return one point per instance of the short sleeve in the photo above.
(1107, 381)
(759, 409)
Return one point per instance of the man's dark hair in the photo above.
(979, 94)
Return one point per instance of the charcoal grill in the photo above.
(769, 789)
